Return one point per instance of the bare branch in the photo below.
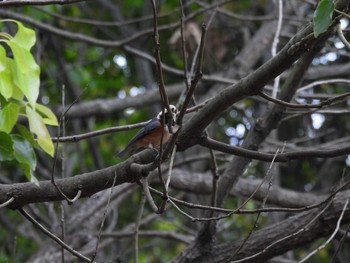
(267, 157)
(330, 238)
(9, 3)
(137, 225)
(52, 236)
(103, 220)
(6, 203)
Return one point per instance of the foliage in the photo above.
(323, 16)
(19, 90)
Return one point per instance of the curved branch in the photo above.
(37, 2)
(6, 203)
(268, 157)
(53, 237)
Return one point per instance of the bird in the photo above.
(149, 136)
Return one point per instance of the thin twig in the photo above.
(230, 212)
(341, 242)
(137, 225)
(70, 201)
(164, 98)
(284, 238)
(181, 211)
(197, 77)
(322, 104)
(330, 238)
(52, 236)
(342, 37)
(163, 95)
(214, 171)
(342, 13)
(78, 137)
(322, 82)
(172, 235)
(63, 230)
(171, 163)
(103, 219)
(148, 195)
(275, 43)
(160, 174)
(63, 123)
(183, 41)
(263, 206)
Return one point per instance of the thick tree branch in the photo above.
(200, 183)
(88, 183)
(277, 238)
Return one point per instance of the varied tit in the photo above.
(149, 136)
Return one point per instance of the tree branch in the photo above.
(290, 233)
(88, 183)
(251, 85)
(17, 3)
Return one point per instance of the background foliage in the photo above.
(97, 71)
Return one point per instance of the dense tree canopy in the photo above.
(257, 167)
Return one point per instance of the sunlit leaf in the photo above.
(323, 16)
(38, 127)
(6, 81)
(24, 37)
(48, 116)
(26, 72)
(8, 116)
(6, 150)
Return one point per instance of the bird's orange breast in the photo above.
(153, 139)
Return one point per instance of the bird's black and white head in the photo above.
(167, 115)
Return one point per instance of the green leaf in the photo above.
(23, 151)
(48, 116)
(8, 117)
(25, 155)
(323, 16)
(6, 150)
(24, 37)
(26, 72)
(6, 81)
(29, 173)
(3, 101)
(27, 135)
(38, 127)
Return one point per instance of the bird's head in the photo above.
(167, 117)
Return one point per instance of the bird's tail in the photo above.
(126, 150)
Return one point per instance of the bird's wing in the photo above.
(147, 129)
